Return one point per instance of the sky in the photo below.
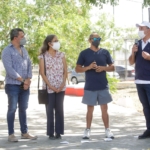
(126, 14)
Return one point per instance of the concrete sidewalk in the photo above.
(126, 125)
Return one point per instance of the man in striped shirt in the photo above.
(18, 74)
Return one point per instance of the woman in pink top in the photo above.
(55, 79)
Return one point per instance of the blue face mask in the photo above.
(96, 42)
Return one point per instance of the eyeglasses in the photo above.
(95, 39)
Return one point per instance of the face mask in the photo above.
(96, 43)
(23, 41)
(56, 46)
(141, 34)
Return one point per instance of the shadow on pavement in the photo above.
(124, 123)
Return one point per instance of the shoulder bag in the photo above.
(42, 93)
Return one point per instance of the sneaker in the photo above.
(12, 138)
(28, 136)
(52, 137)
(108, 133)
(86, 134)
(58, 136)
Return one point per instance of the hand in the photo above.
(93, 65)
(53, 88)
(145, 55)
(25, 86)
(134, 49)
(27, 82)
(100, 68)
(60, 88)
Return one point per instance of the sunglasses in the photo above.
(96, 39)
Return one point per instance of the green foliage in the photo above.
(64, 18)
(112, 2)
(112, 83)
(69, 21)
(130, 33)
(146, 3)
(110, 34)
(101, 2)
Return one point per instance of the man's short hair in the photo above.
(15, 33)
(92, 34)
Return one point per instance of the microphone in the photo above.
(136, 42)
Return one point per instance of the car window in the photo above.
(118, 68)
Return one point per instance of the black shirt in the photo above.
(95, 80)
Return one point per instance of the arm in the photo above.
(42, 72)
(132, 59)
(64, 75)
(80, 64)
(65, 70)
(79, 68)
(132, 56)
(110, 67)
(29, 68)
(7, 61)
(27, 81)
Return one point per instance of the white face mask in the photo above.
(141, 34)
(56, 46)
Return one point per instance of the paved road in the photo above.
(126, 124)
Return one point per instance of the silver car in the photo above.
(75, 77)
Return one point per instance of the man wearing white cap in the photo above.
(141, 57)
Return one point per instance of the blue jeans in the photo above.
(16, 95)
(144, 96)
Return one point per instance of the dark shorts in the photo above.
(99, 97)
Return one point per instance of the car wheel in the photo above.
(122, 76)
(74, 80)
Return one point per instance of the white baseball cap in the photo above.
(143, 24)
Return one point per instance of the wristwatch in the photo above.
(23, 81)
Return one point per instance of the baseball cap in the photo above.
(144, 23)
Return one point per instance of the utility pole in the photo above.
(149, 13)
(113, 37)
(113, 31)
(125, 59)
(142, 12)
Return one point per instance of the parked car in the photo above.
(121, 69)
(113, 74)
(75, 77)
(2, 79)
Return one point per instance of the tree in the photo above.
(112, 2)
(69, 22)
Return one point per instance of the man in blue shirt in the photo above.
(95, 61)
(141, 57)
(18, 74)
